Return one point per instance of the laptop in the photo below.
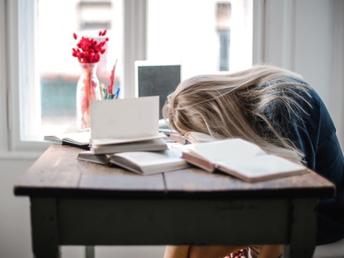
(154, 79)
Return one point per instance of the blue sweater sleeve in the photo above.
(314, 133)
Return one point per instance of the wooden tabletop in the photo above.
(58, 173)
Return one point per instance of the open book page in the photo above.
(241, 159)
(124, 119)
(199, 162)
(77, 137)
(194, 159)
(90, 156)
(219, 151)
(260, 167)
(149, 162)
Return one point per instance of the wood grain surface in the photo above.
(58, 173)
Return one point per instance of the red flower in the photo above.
(89, 50)
(102, 33)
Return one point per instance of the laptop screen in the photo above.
(157, 80)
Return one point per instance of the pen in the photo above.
(117, 91)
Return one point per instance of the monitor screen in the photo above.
(156, 80)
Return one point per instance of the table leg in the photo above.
(89, 251)
(44, 226)
(303, 229)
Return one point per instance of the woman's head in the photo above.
(233, 105)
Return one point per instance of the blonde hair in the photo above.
(237, 105)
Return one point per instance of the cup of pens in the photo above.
(112, 91)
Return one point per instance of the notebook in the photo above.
(241, 159)
(124, 120)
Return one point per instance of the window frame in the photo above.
(20, 60)
(13, 77)
(17, 70)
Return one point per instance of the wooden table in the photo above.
(78, 203)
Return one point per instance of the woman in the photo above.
(275, 109)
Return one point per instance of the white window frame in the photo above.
(3, 82)
(16, 71)
(11, 102)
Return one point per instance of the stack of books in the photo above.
(125, 133)
(109, 146)
(131, 140)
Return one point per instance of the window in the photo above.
(58, 70)
(203, 36)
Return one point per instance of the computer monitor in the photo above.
(152, 79)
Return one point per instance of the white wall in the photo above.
(15, 234)
(15, 240)
(307, 36)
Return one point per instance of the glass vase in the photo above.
(87, 90)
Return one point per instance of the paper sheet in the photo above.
(125, 118)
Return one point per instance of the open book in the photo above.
(124, 125)
(124, 120)
(77, 139)
(143, 162)
(241, 159)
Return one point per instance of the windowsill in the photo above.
(19, 155)
(24, 150)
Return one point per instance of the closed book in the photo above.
(158, 144)
(124, 140)
(241, 159)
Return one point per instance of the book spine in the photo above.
(198, 162)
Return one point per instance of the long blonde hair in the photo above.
(229, 105)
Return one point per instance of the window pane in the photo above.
(58, 69)
(201, 35)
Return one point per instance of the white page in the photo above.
(125, 118)
(262, 166)
(223, 150)
(77, 137)
(144, 159)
